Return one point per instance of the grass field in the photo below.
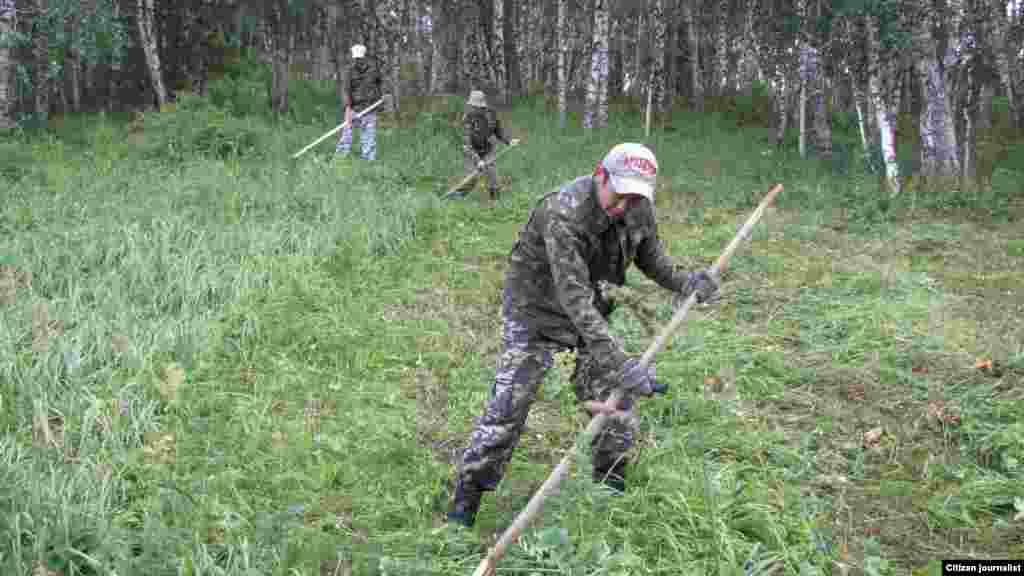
(216, 360)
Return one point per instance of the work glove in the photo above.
(700, 282)
(641, 381)
(480, 165)
(514, 142)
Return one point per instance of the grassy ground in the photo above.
(215, 360)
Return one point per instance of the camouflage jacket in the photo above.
(569, 245)
(363, 85)
(478, 125)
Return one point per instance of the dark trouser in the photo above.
(521, 368)
(469, 163)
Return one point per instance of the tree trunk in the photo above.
(277, 42)
(987, 93)
(615, 57)
(439, 41)
(672, 49)
(722, 48)
(8, 15)
(938, 137)
(970, 111)
(661, 103)
(41, 60)
(597, 86)
(415, 17)
(497, 44)
(885, 109)
(802, 115)
(147, 37)
(1004, 49)
(693, 55)
(638, 64)
(510, 35)
(563, 54)
(749, 69)
(814, 83)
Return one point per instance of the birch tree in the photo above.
(722, 47)
(693, 55)
(597, 86)
(885, 99)
(41, 59)
(563, 54)
(938, 137)
(1006, 55)
(497, 44)
(147, 37)
(510, 37)
(657, 18)
(8, 15)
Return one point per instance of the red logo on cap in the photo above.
(641, 165)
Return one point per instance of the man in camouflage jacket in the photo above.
(480, 126)
(576, 238)
(364, 90)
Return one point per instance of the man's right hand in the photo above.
(480, 165)
(641, 381)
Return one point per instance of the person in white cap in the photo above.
(577, 238)
(364, 90)
(480, 127)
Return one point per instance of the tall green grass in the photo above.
(228, 362)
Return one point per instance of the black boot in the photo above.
(464, 506)
(612, 474)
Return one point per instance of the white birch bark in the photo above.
(938, 136)
(884, 108)
(722, 48)
(661, 102)
(498, 52)
(563, 54)
(597, 86)
(638, 67)
(416, 38)
(8, 14)
(147, 37)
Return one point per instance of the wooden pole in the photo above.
(454, 190)
(533, 507)
(340, 126)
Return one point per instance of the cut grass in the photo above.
(220, 364)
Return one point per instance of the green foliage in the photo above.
(198, 128)
(99, 37)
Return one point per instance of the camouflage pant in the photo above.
(469, 162)
(521, 369)
(367, 125)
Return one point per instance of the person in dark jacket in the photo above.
(480, 127)
(576, 239)
(364, 90)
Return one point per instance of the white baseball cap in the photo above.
(632, 169)
(358, 51)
